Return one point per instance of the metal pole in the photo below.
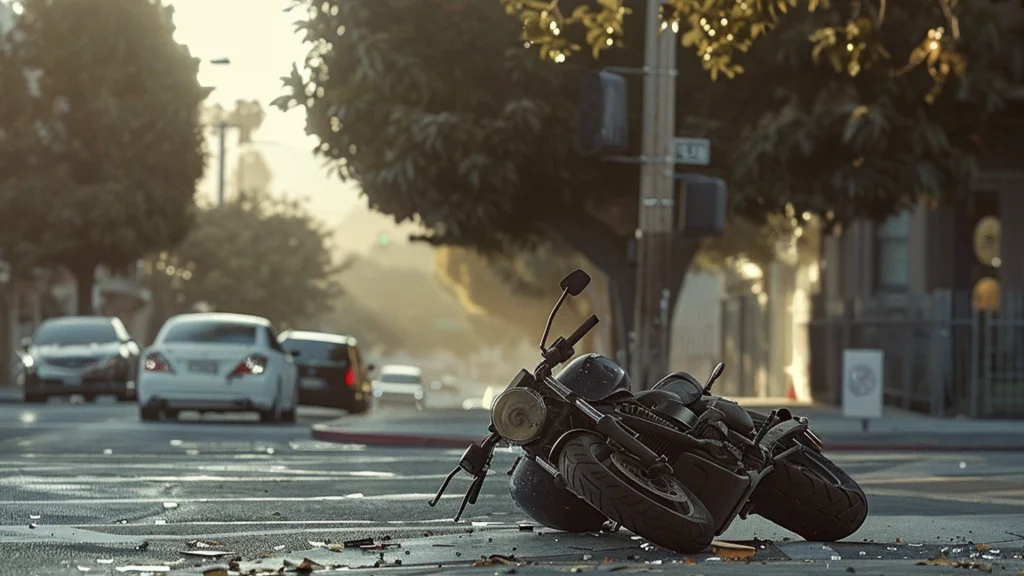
(655, 219)
(222, 128)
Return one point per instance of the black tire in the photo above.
(810, 496)
(148, 414)
(683, 525)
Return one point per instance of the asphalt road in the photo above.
(90, 489)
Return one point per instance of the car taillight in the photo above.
(350, 377)
(252, 366)
(156, 362)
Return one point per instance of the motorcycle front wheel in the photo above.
(809, 495)
(659, 509)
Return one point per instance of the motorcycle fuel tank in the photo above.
(594, 377)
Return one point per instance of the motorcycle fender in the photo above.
(556, 448)
(783, 431)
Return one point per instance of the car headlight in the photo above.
(518, 415)
(28, 361)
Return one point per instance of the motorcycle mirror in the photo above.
(551, 317)
(575, 283)
(714, 376)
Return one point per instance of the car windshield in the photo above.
(211, 333)
(315, 351)
(399, 378)
(72, 332)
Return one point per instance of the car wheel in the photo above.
(35, 398)
(288, 415)
(149, 414)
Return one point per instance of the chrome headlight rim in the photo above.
(538, 404)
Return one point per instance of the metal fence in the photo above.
(942, 355)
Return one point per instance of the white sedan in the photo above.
(214, 362)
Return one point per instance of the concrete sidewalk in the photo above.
(897, 431)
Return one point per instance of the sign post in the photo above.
(863, 384)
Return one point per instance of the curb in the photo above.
(333, 434)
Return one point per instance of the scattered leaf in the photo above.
(982, 547)
(215, 571)
(944, 561)
(899, 540)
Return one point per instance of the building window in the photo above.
(892, 243)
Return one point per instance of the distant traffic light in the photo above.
(604, 114)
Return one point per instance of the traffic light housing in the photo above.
(604, 114)
(702, 202)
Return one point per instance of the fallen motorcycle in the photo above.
(673, 464)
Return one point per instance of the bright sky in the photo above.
(258, 37)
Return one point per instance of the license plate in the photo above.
(312, 383)
(203, 367)
(73, 381)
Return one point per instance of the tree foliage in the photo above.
(848, 35)
(258, 254)
(462, 130)
(100, 141)
(470, 133)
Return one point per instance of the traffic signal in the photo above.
(604, 114)
(702, 202)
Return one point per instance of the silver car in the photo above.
(399, 384)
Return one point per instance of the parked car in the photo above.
(331, 370)
(216, 362)
(87, 355)
(399, 384)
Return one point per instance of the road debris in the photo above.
(498, 559)
(307, 566)
(215, 571)
(205, 553)
(202, 543)
(143, 546)
(731, 551)
(946, 562)
(358, 543)
(170, 505)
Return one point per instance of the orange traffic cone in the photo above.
(791, 392)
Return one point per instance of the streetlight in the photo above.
(222, 128)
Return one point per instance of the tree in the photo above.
(474, 135)
(258, 254)
(100, 134)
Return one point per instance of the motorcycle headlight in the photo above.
(518, 415)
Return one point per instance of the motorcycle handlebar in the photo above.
(580, 332)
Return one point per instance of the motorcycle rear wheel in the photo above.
(810, 496)
(661, 510)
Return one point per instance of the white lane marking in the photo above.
(962, 498)
(277, 478)
(106, 501)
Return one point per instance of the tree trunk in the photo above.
(85, 277)
(609, 252)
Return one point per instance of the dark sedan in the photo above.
(331, 370)
(87, 355)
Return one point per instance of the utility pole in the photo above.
(222, 128)
(649, 357)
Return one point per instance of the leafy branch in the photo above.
(718, 30)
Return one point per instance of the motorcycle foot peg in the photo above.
(611, 526)
(560, 482)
